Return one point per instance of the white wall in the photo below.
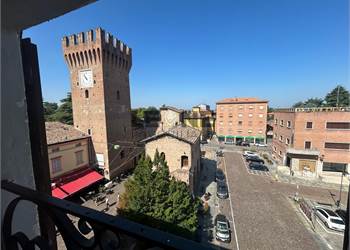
(16, 162)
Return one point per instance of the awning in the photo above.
(76, 185)
(230, 136)
(239, 137)
(249, 137)
(260, 137)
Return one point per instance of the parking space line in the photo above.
(233, 218)
(325, 229)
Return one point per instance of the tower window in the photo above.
(184, 161)
(118, 95)
(122, 154)
(89, 131)
(86, 93)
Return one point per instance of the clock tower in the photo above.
(99, 67)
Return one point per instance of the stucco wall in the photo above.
(16, 161)
(67, 152)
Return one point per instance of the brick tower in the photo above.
(99, 67)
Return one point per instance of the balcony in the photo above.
(93, 230)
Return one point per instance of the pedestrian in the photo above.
(107, 203)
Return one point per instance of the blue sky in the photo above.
(200, 51)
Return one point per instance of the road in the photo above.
(260, 212)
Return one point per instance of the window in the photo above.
(280, 153)
(89, 131)
(261, 107)
(239, 131)
(221, 123)
(289, 124)
(307, 144)
(55, 149)
(240, 115)
(281, 138)
(335, 145)
(240, 123)
(184, 161)
(250, 115)
(230, 123)
(240, 107)
(251, 107)
(334, 167)
(56, 165)
(308, 124)
(118, 95)
(162, 156)
(222, 108)
(250, 131)
(79, 157)
(261, 115)
(221, 116)
(338, 125)
(122, 154)
(260, 131)
(275, 135)
(86, 93)
(281, 123)
(287, 141)
(274, 148)
(230, 116)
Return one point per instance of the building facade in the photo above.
(312, 141)
(99, 67)
(170, 117)
(181, 148)
(241, 119)
(202, 119)
(70, 159)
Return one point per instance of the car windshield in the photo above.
(337, 221)
(330, 212)
(222, 226)
(222, 188)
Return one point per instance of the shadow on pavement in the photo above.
(208, 168)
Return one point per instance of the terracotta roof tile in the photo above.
(57, 132)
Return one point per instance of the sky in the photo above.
(201, 51)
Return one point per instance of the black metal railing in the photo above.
(93, 230)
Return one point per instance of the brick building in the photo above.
(312, 141)
(180, 146)
(239, 119)
(99, 67)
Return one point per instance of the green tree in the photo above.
(309, 103)
(49, 109)
(338, 97)
(154, 198)
(64, 112)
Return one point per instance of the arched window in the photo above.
(86, 93)
(184, 161)
(118, 95)
(122, 154)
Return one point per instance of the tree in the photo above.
(49, 109)
(153, 198)
(309, 103)
(64, 113)
(338, 97)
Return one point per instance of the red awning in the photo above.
(76, 185)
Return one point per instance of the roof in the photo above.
(241, 100)
(310, 110)
(181, 132)
(57, 132)
(197, 115)
(171, 108)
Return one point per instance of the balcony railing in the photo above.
(94, 230)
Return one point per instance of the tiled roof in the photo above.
(57, 132)
(181, 132)
(171, 108)
(241, 100)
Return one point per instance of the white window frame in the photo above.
(56, 164)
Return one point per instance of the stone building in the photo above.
(170, 117)
(70, 159)
(99, 67)
(239, 119)
(180, 146)
(313, 142)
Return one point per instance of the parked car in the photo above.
(204, 142)
(229, 142)
(249, 153)
(238, 143)
(330, 219)
(257, 166)
(222, 228)
(341, 213)
(222, 191)
(255, 159)
(219, 175)
(245, 144)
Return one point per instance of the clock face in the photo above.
(85, 78)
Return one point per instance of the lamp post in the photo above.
(341, 186)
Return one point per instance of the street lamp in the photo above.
(341, 186)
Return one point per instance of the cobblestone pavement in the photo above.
(263, 216)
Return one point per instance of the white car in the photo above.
(249, 153)
(330, 219)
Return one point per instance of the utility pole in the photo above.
(341, 187)
(338, 96)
